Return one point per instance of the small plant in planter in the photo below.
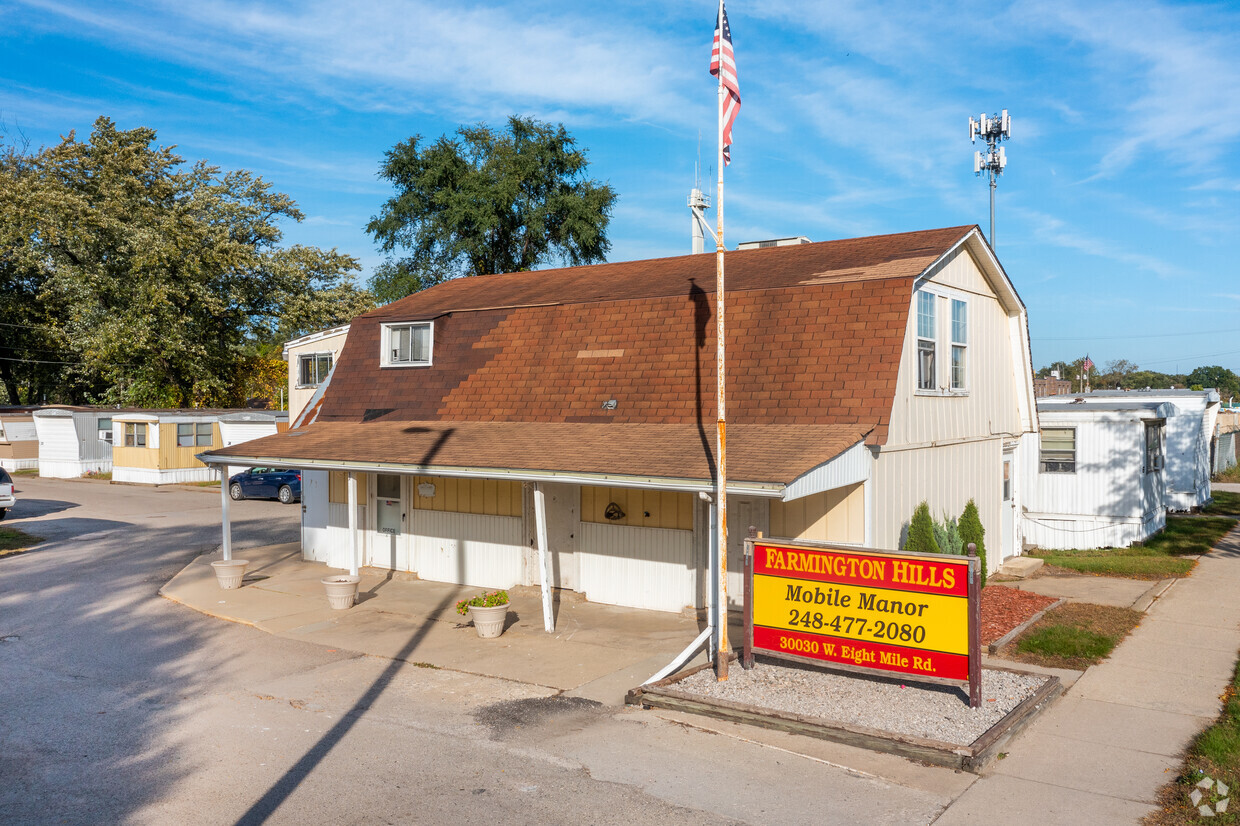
(489, 611)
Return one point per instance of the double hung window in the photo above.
(960, 344)
(312, 369)
(407, 345)
(135, 434)
(1058, 454)
(1153, 446)
(926, 342)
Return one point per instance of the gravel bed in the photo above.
(934, 712)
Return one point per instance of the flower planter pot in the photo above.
(341, 590)
(229, 572)
(489, 622)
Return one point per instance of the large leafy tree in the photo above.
(1225, 381)
(488, 201)
(156, 283)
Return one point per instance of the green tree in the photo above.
(1220, 378)
(155, 280)
(921, 532)
(488, 201)
(971, 530)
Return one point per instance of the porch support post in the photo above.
(352, 523)
(544, 556)
(226, 547)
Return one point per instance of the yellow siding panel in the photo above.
(136, 457)
(493, 497)
(338, 487)
(667, 509)
(831, 516)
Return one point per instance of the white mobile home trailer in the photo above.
(19, 441)
(74, 441)
(1095, 475)
(1190, 433)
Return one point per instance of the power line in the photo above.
(1143, 336)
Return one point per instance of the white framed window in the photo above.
(104, 427)
(135, 434)
(1058, 451)
(927, 344)
(312, 369)
(407, 345)
(960, 344)
(1154, 459)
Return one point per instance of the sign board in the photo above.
(881, 611)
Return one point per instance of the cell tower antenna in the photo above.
(994, 130)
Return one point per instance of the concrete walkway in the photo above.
(597, 651)
(1102, 752)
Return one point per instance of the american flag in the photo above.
(1087, 365)
(721, 52)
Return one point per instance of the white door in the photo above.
(1008, 510)
(563, 503)
(742, 513)
(314, 513)
(390, 547)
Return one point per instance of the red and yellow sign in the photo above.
(886, 611)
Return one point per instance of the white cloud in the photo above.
(1051, 230)
(414, 56)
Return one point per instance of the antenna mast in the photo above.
(994, 130)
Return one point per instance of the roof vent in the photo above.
(774, 242)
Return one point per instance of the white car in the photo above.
(7, 496)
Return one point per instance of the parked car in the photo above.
(8, 495)
(266, 483)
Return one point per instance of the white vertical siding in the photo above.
(1108, 502)
(992, 404)
(946, 477)
(58, 439)
(337, 544)
(468, 549)
(650, 568)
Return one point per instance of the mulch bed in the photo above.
(1005, 608)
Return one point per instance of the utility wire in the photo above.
(1114, 338)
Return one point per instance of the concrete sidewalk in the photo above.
(597, 651)
(1101, 753)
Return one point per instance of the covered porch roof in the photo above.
(762, 459)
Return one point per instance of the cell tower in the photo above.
(994, 130)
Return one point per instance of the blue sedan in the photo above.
(266, 483)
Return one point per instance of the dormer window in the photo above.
(407, 344)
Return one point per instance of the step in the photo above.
(1020, 566)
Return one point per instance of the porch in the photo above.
(597, 651)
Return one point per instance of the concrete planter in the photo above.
(229, 572)
(341, 590)
(489, 622)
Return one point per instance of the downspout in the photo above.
(712, 598)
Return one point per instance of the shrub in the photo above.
(971, 530)
(921, 532)
(947, 537)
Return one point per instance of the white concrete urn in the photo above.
(489, 620)
(229, 572)
(341, 590)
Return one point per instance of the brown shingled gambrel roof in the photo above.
(815, 334)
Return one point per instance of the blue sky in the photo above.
(1118, 218)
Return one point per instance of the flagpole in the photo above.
(721, 494)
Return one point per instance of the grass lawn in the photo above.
(26, 471)
(1215, 755)
(1225, 501)
(13, 541)
(1159, 557)
(1076, 635)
